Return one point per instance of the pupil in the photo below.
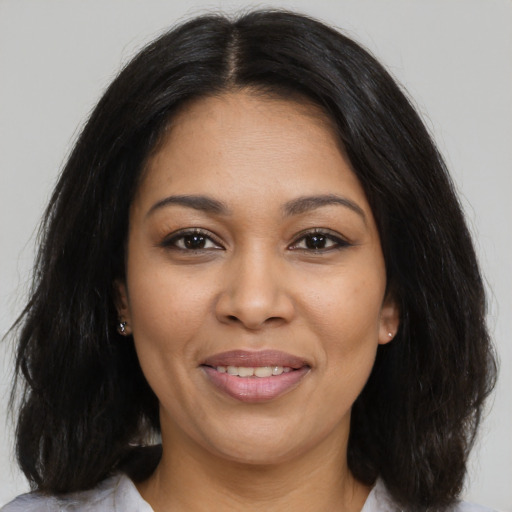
(194, 241)
(315, 241)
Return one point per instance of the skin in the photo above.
(256, 284)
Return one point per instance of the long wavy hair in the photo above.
(85, 405)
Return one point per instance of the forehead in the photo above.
(245, 140)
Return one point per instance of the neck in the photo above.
(191, 479)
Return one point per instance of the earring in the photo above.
(121, 328)
(390, 334)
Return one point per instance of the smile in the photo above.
(249, 371)
(255, 376)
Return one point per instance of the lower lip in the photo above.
(255, 389)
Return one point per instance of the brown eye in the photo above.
(194, 241)
(316, 241)
(319, 241)
(191, 241)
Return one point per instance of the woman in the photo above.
(254, 251)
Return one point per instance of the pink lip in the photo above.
(260, 358)
(255, 389)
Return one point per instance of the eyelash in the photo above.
(337, 242)
(172, 241)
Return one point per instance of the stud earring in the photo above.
(390, 334)
(121, 328)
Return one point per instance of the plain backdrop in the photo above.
(454, 57)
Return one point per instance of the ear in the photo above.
(389, 320)
(122, 306)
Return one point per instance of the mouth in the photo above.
(255, 376)
(250, 371)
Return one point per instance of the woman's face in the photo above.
(255, 281)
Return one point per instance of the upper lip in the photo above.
(254, 359)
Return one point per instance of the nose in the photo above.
(254, 293)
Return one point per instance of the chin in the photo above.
(271, 444)
(259, 455)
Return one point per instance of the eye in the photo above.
(319, 241)
(191, 240)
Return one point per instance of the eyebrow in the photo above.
(202, 203)
(294, 207)
(308, 203)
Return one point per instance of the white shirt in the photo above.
(119, 494)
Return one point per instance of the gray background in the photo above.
(454, 57)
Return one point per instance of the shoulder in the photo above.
(30, 502)
(116, 494)
(380, 500)
(464, 506)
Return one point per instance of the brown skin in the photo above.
(255, 285)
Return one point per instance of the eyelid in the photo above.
(169, 241)
(341, 241)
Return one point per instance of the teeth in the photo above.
(277, 370)
(245, 372)
(263, 371)
(249, 371)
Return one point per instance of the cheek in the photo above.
(167, 313)
(348, 327)
(166, 307)
(346, 305)
(345, 315)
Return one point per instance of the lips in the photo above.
(255, 376)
